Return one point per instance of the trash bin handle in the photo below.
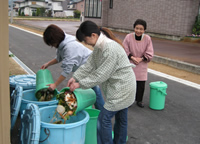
(162, 92)
(47, 133)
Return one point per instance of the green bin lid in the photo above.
(158, 84)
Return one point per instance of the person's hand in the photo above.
(72, 84)
(52, 86)
(44, 66)
(136, 60)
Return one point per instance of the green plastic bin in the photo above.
(84, 97)
(157, 95)
(43, 78)
(91, 126)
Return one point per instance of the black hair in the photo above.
(140, 22)
(89, 27)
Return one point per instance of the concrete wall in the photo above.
(165, 17)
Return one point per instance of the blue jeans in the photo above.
(99, 98)
(104, 127)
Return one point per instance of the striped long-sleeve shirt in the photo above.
(109, 65)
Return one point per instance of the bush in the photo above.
(38, 12)
(23, 14)
(33, 14)
(49, 13)
(77, 14)
(196, 27)
(19, 12)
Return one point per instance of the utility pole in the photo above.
(11, 18)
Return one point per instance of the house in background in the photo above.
(28, 7)
(58, 8)
(69, 6)
(167, 18)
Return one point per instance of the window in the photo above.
(111, 4)
(93, 8)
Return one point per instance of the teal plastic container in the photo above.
(36, 127)
(157, 95)
(43, 78)
(25, 81)
(84, 97)
(29, 97)
(15, 103)
(73, 132)
(91, 127)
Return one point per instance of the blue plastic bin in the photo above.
(29, 97)
(25, 81)
(15, 102)
(73, 132)
(36, 127)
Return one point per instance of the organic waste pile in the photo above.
(44, 95)
(66, 106)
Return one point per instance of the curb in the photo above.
(177, 64)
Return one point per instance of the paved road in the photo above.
(182, 51)
(178, 123)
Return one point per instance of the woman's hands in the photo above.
(44, 66)
(52, 86)
(136, 60)
(72, 84)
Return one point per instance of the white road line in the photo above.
(182, 81)
(185, 82)
(26, 30)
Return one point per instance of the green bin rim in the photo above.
(158, 84)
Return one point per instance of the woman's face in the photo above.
(139, 30)
(91, 40)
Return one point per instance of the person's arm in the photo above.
(127, 47)
(51, 62)
(54, 85)
(148, 55)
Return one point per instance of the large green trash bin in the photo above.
(43, 78)
(84, 97)
(157, 95)
(91, 126)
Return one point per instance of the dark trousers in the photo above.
(140, 91)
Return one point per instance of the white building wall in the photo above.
(26, 11)
(57, 6)
(69, 13)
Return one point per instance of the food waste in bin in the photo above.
(67, 105)
(44, 94)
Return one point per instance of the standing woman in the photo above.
(107, 65)
(139, 48)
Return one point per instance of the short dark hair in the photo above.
(53, 35)
(86, 29)
(140, 22)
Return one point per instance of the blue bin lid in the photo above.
(158, 84)
(30, 125)
(15, 103)
(26, 81)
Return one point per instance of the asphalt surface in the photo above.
(177, 123)
(178, 54)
